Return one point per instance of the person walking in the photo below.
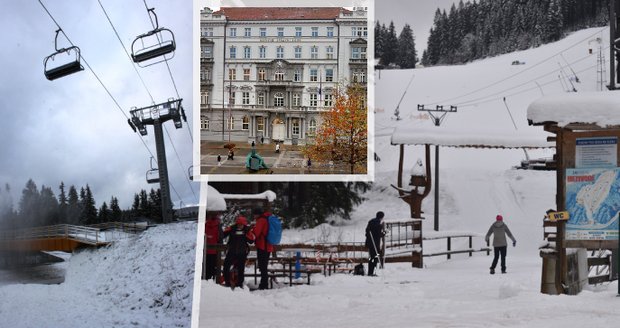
(239, 238)
(499, 230)
(277, 148)
(263, 248)
(374, 232)
(214, 235)
(219, 160)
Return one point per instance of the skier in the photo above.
(213, 232)
(374, 232)
(499, 230)
(263, 248)
(239, 238)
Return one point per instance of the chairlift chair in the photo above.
(52, 71)
(152, 175)
(157, 43)
(190, 172)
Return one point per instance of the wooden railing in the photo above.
(86, 235)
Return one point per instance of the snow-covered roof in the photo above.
(463, 138)
(215, 201)
(269, 195)
(600, 108)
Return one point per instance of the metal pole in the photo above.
(163, 172)
(612, 52)
(436, 223)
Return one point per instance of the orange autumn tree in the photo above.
(342, 136)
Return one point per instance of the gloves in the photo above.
(514, 243)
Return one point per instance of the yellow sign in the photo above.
(558, 216)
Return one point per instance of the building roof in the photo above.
(279, 13)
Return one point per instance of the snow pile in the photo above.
(145, 281)
(215, 200)
(600, 108)
(268, 195)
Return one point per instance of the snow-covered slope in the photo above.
(475, 185)
(145, 281)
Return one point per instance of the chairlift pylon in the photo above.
(154, 44)
(53, 72)
(152, 175)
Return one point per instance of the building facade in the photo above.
(266, 74)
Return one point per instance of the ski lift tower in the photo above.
(156, 115)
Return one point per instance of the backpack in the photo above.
(358, 270)
(274, 233)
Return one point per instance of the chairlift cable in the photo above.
(102, 84)
(519, 72)
(147, 89)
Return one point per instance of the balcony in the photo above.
(278, 83)
(358, 61)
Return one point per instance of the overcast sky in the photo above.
(419, 14)
(69, 129)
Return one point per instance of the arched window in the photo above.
(246, 123)
(312, 127)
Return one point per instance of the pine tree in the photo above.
(407, 56)
(104, 213)
(28, 204)
(62, 203)
(89, 211)
(74, 208)
(116, 215)
(47, 207)
(135, 208)
(553, 27)
(390, 48)
(155, 205)
(379, 42)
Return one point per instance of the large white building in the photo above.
(267, 73)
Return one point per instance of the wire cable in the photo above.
(102, 84)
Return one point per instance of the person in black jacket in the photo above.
(239, 238)
(374, 232)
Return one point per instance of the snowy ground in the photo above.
(146, 281)
(475, 186)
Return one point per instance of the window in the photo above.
(245, 124)
(280, 52)
(263, 31)
(355, 53)
(330, 52)
(207, 51)
(233, 52)
(232, 73)
(205, 75)
(296, 100)
(279, 76)
(330, 32)
(280, 31)
(329, 75)
(260, 123)
(204, 98)
(232, 32)
(248, 32)
(261, 98)
(298, 31)
(359, 31)
(297, 52)
(232, 96)
(261, 51)
(231, 123)
(314, 99)
(207, 31)
(246, 74)
(246, 52)
(329, 100)
(297, 75)
(278, 99)
(245, 98)
(296, 127)
(204, 122)
(314, 52)
(315, 31)
(313, 75)
(261, 74)
(312, 127)
(359, 76)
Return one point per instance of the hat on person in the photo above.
(241, 220)
(380, 215)
(257, 211)
(499, 218)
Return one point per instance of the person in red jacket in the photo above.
(263, 248)
(240, 236)
(213, 234)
